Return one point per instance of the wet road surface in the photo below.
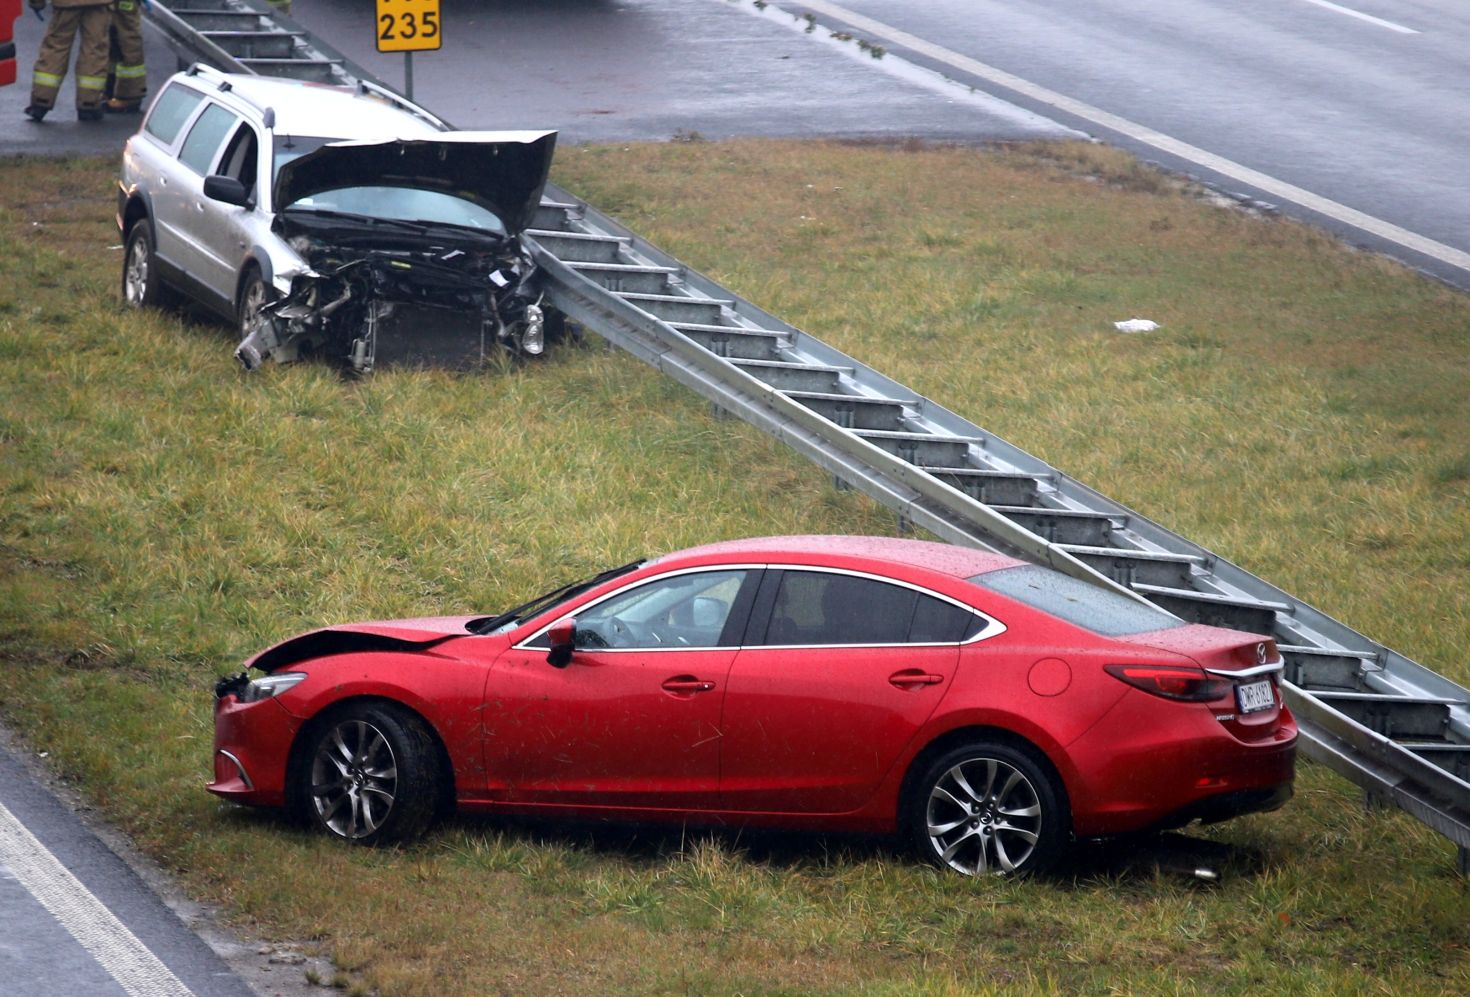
(614, 70)
(78, 920)
(1352, 114)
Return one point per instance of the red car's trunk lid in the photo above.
(1212, 647)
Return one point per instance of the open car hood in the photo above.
(502, 171)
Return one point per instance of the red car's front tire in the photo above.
(369, 774)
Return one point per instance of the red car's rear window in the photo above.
(1077, 602)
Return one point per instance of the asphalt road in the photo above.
(615, 70)
(1363, 106)
(78, 919)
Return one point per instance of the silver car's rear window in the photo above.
(1081, 603)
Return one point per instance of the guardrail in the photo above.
(249, 36)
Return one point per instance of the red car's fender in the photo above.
(995, 695)
(448, 693)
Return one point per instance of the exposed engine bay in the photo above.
(385, 291)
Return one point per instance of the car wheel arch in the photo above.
(257, 257)
(136, 209)
(251, 265)
(958, 737)
(298, 755)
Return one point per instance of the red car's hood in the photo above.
(387, 635)
(421, 628)
(1212, 647)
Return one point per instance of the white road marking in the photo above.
(1276, 188)
(1339, 9)
(137, 970)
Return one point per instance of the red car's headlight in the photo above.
(268, 686)
(1189, 685)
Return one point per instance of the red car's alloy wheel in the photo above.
(372, 775)
(989, 808)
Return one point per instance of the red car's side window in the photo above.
(819, 608)
(687, 610)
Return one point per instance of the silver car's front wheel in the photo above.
(988, 808)
(140, 284)
(370, 775)
(255, 293)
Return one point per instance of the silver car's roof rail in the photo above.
(209, 73)
(402, 102)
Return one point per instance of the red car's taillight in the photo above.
(1189, 685)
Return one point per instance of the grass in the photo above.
(163, 514)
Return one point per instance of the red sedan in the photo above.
(988, 709)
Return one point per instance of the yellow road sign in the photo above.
(408, 25)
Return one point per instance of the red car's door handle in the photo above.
(687, 683)
(912, 678)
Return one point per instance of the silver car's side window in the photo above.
(242, 157)
(170, 111)
(205, 138)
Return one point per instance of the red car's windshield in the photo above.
(548, 600)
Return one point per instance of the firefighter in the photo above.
(68, 17)
(128, 76)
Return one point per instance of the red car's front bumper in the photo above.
(251, 744)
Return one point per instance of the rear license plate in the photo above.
(1254, 697)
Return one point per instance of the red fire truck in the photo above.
(9, 11)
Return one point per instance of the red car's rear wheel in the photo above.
(988, 808)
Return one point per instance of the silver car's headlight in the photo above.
(268, 686)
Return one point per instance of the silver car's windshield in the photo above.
(404, 204)
(289, 147)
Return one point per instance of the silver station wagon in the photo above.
(345, 223)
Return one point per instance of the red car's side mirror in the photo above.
(562, 636)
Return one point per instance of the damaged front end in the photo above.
(382, 292)
(404, 251)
